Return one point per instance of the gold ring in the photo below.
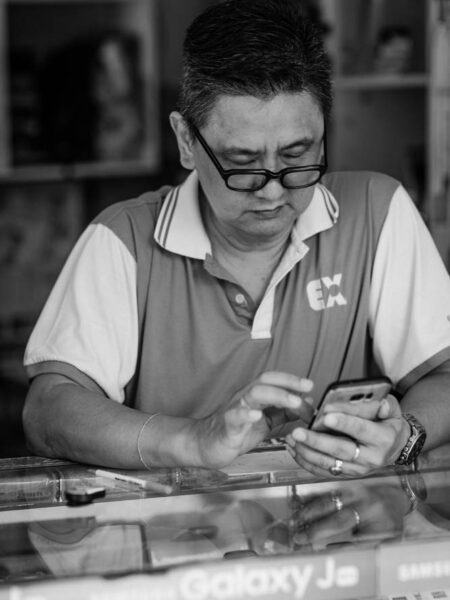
(356, 453)
(336, 469)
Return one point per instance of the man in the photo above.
(189, 324)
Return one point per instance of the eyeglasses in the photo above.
(252, 180)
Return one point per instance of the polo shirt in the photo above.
(143, 314)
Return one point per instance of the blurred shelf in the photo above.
(39, 2)
(382, 81)
(55, 173)
(392, 96)
(65, 41)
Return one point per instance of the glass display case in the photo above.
(252, 531)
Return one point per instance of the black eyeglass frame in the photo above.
(268, 175)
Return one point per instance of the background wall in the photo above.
(43, 205)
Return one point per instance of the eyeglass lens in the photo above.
(252, 181)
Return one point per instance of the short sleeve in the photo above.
(89, 323)
(410, 297)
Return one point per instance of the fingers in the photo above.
(331, 446)
(283, 391)
(289, 381)
(244, 423)
(377, 438)
(243, 427)
(350, 425)
(262, 395)
(241, 414)
(359, 445)
(318, 452)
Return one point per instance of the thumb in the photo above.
(241, 416)
(389, 408)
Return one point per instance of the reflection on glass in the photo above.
(74, 546)
(265, 521)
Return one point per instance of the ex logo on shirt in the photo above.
(325, 292)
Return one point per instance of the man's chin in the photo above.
(271, 223)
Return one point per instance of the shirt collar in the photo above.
(321, 214)
(180, 228)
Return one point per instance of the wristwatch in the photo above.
(415, 441)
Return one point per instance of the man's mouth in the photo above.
(268, 213)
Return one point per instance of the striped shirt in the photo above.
(143, 314)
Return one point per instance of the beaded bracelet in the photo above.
(139, 439)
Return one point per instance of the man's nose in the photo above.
(271, 191)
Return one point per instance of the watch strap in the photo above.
(414, 443)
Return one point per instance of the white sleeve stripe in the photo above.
(410, 293)
(90, 319)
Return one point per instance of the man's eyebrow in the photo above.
(233, 150)
(306, 142)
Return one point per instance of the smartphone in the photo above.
(364, 396)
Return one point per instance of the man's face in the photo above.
(248, 133)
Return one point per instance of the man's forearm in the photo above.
(429, 401)
(64, 420)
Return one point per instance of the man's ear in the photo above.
(184, 140)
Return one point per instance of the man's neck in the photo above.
(250, 261)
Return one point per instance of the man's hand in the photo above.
(361, 444)
(273, 397)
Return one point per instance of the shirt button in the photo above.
(240, 299)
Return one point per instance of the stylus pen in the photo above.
(142, 482)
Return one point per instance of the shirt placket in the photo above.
(241, 302)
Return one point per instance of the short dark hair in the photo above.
(252, 47)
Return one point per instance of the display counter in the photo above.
(262, 528)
